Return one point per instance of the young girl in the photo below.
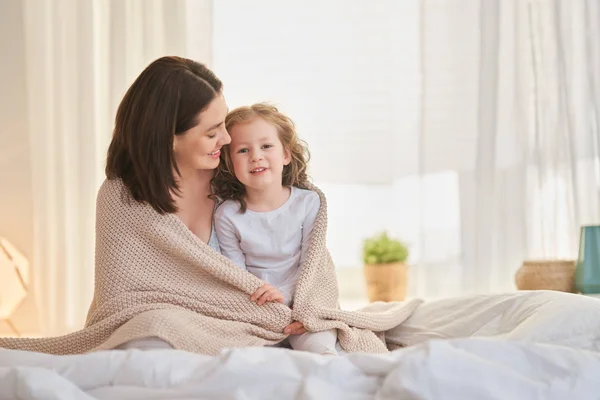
(265, 223)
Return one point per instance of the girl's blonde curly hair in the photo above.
(226, 186)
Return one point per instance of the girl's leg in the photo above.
(315, 342)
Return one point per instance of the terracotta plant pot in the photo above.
(386, 282)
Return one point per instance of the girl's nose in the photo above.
(255, 157)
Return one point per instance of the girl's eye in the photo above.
(240, 151)
(267, 146)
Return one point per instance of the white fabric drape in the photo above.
(81, 56)
(533, 177)
(468, 128)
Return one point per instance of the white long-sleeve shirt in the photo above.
(271, 245)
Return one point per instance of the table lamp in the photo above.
(14, 281)
(587, 274)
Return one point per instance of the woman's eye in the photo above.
(212, 135)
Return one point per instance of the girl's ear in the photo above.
(287, 156)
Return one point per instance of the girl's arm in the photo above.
(229, 240)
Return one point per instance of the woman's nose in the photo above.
(225, 138)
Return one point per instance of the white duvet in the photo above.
(529, 345)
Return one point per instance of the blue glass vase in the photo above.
(587, 274)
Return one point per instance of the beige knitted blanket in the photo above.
(154, 277)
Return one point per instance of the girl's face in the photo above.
(257, 154)
(199, 147)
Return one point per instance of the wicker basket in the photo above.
(386, 282)
(556, 275)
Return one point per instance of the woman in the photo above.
(168, 134)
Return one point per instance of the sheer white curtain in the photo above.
(563, 130)
(532, 177)
(81, 56)
(468, 128)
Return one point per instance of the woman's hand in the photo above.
(267, 292)
(295, 328)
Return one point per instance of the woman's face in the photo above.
(199, 148)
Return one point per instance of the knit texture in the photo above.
(154, 277)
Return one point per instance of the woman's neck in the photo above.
(195, 208)
(193, 185)
(267, 199)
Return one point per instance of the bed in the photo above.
(524, 345)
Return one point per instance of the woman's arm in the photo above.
(313, 203)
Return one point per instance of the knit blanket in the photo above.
(154, 277)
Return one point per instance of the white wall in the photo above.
(16, 217)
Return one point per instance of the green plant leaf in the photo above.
(381, 249)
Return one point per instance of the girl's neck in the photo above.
(268, 199)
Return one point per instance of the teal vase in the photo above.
(587, 274)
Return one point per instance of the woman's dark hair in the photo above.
(164, 101)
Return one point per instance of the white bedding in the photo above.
(552, 352)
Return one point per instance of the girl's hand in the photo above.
(295, 328)
(265, 293)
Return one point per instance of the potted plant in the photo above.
(384, 268)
